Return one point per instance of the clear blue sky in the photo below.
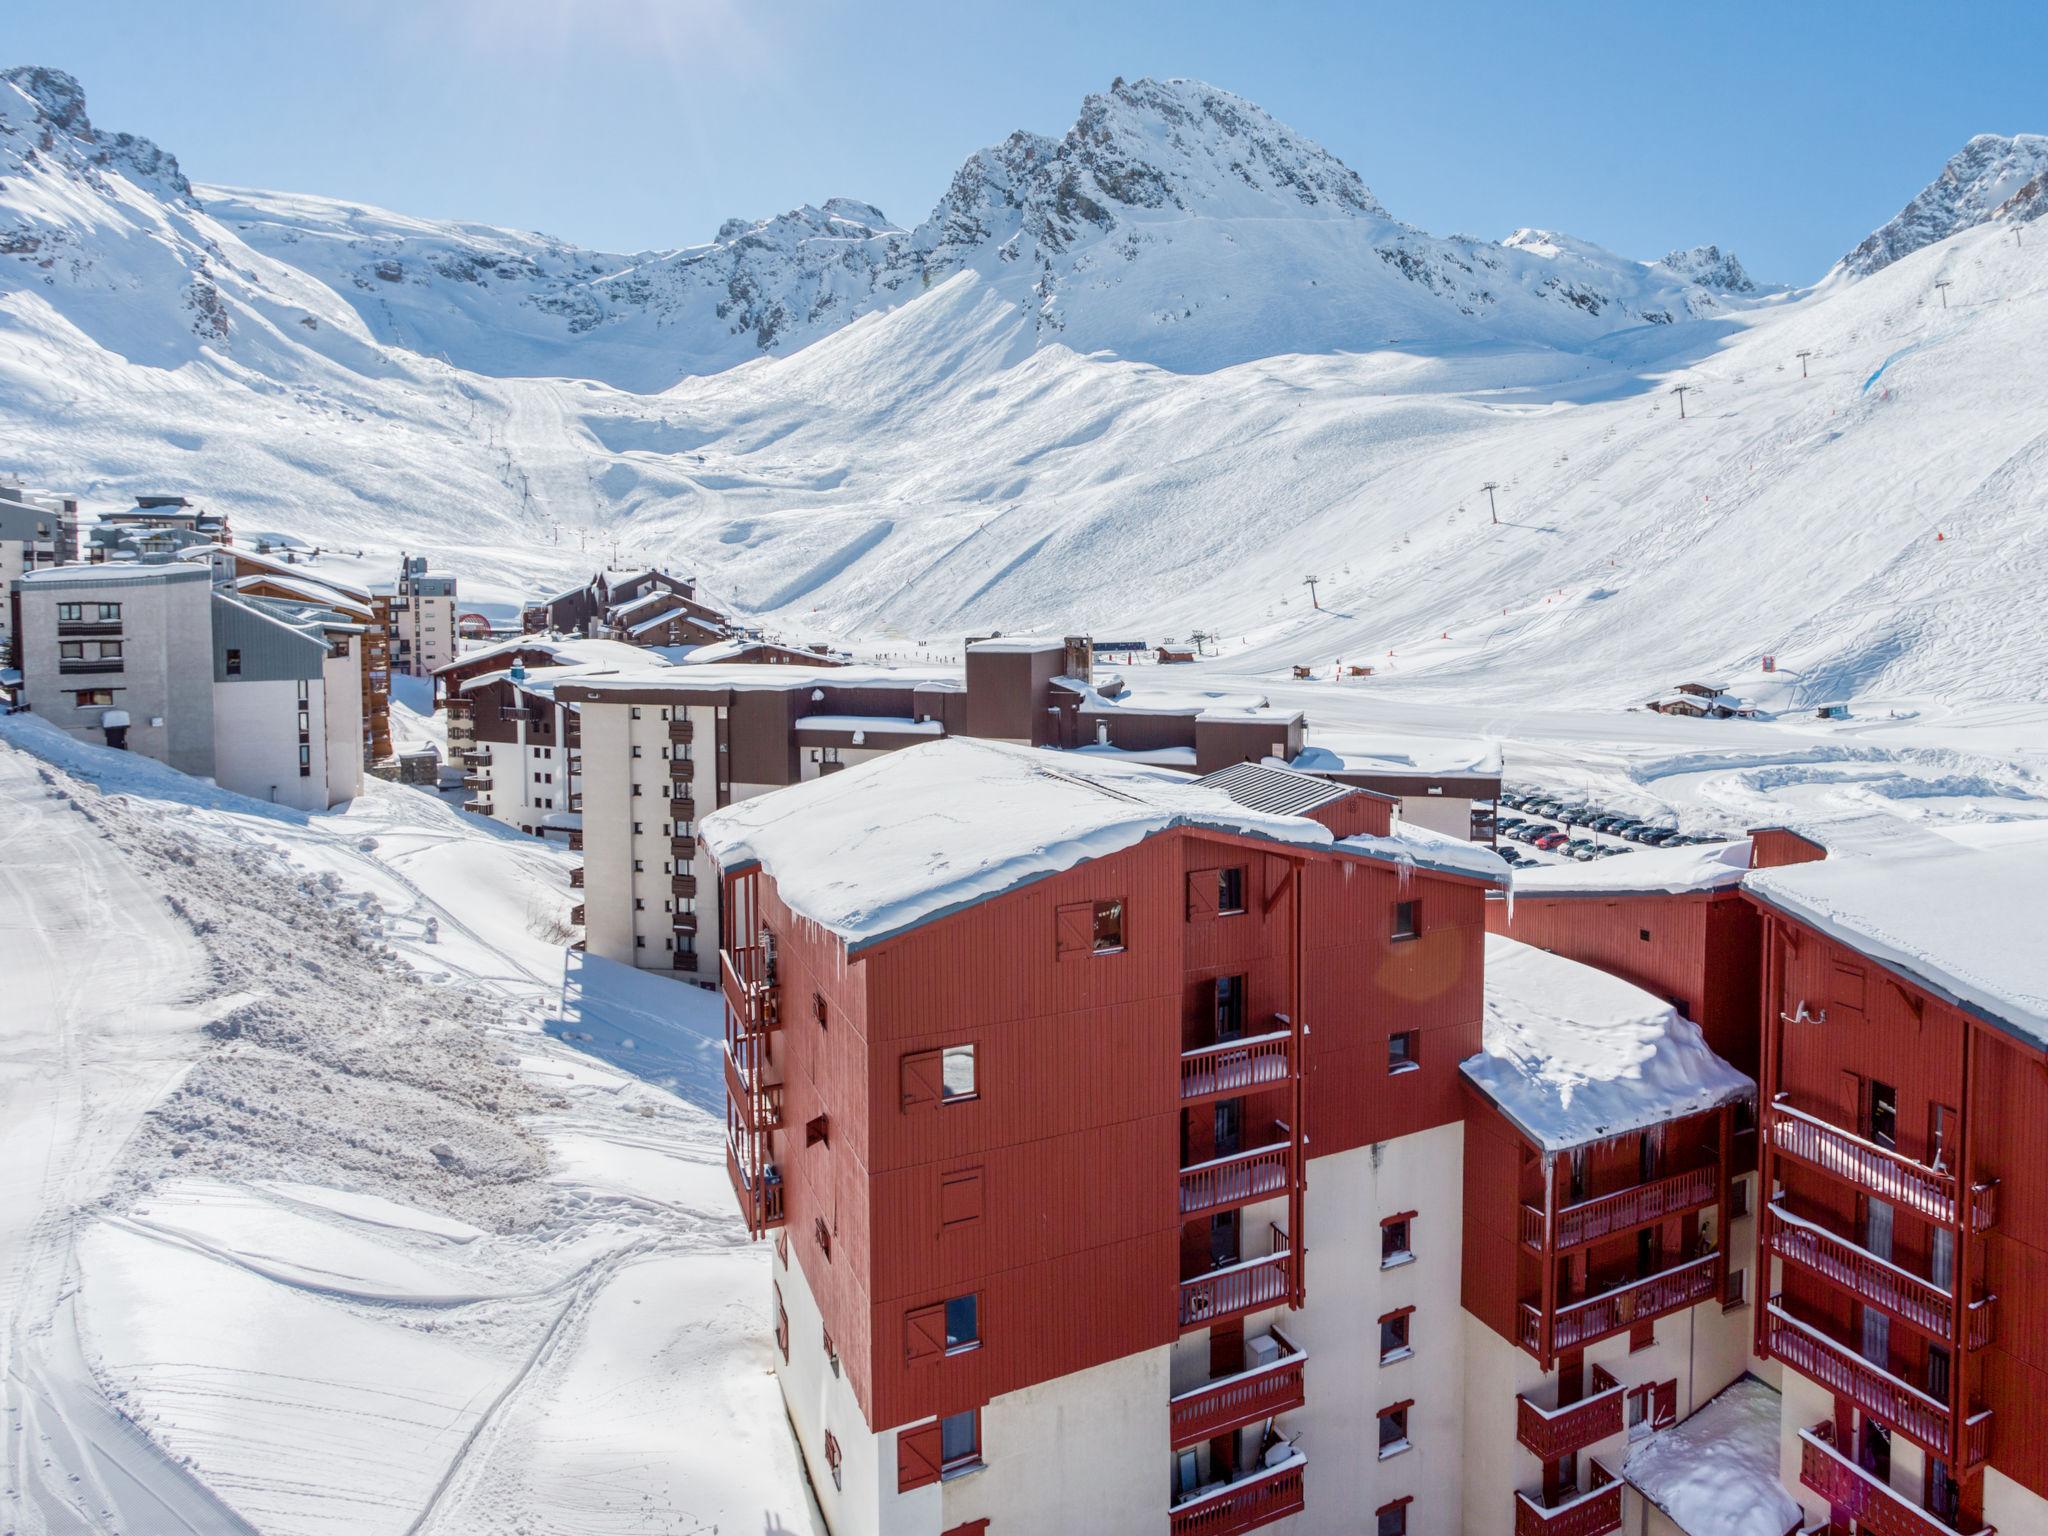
(1785, 131)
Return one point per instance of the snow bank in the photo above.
(897, 841)
(1672, 871)
(1716, 1474)
(1574, 1055)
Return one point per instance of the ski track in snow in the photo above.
(194, 1351)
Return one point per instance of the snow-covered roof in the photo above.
(773, 675)
(1964, 921)
(1018, 643)
(1165, 757)
(883, 847)
(1422, 848)
(1266, 788)
(313, 591)
(619, 613)
(1575, 1055)
(136, 570)
(881, 725)
(505, 648)
(1447, 756)
(1716, 1473)
(301, 569)
(1673, 871)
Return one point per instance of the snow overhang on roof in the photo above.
(1645, 871)
(884, 847)
(1414, 847)
(1019, 643)
(1575, 1055)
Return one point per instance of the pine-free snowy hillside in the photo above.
(1143, 376)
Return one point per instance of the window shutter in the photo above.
(959, 1197)
(1664, 1411)
(1075, 925)
(923, 1079)
(924, 1337)
(1202, 893)
(917, 1457)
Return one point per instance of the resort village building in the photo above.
(37, 531)
(421, 616)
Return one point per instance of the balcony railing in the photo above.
(685, 922)
(479, 807)
(682, 808)
(1219, 1406)
(682, 732)
(1212, 1071)
(761, 1200)
(748, 995)
(758, 1104)
(1854, 1494)
(1267, 1495)
(1236, 1289)
(576, 914)
(76, 666)
(1553, 1432)
(1640, 1204)
(683, 885)
(1581, 1322)
(576, 878)
(683, 848)
(1832, 1364)
(1870, 1279)
(1592, 1513)
(86, 629)
(1222, 1182)
(575, 839)
(476, 781)
(1876, 1170)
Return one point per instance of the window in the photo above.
(1737, 1293)
(1394, 1336)
(70, 613)
(110, 613)
(636, 749)
(1230, 889)
(1643, 934)
(1394, 1240)
(1407, 919)
(781, 1322)
(1394, 1429)
(832, 1458)
(956, 1073)
(1109, 927)
(831, 1350)
(1884, 1114)
(1393, 1518)
(963, 1323)
(85, 698)
(305, 762)
(1738, 1197)
(74, 650)
(639, 866)
(1404, 1052)
(1229, 1007)
(633, 713)
(960, 1440)
(819, 1010)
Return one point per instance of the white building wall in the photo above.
(256, 742)
(1344, 1383)
(1450, 815)
(341, 698)
(2008, 1506)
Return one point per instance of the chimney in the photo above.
(1081, 658)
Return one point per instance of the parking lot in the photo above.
(1538, 826)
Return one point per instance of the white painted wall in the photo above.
(341, 698)
(2010, 1507)
(1439, 813)
(256, 742)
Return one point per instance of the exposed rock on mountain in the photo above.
(1983, 177)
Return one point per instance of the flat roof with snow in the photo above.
(1716, 1473)
(125, 571)
(1427, 756)
(1017, 643)
(1652, 871)
(1964, 922)
(890, 844)
(1574, 1055)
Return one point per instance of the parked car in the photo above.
(1550, 841)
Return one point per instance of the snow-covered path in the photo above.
(93, 1030)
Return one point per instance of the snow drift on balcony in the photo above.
(1716, 1474)
(1966, 921)
(875, 850)
(1703, 867)
(1574, 1055)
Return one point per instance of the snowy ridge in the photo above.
(1990, 176)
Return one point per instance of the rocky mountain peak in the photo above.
(1985, 174)
(1709, 266)
(55, 105)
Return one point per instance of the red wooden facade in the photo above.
(1904, 1138)
(1128, 1163)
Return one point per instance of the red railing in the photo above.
(1977, 1321)
(1930, 1192)
(1854, 1494)
(1236, 1065)
(1595, 1317)
(1553, 1432)
(1875, 1390)
(1244, 1505)
(1236, 1289)
(1227, 1181)
(1221, 1406)
(743, 973)
(760, 1198)
(1532, 1228)
(758, 1104)
(1863, 1274)
(1592, 1513)
(1976, 1440)
(1638, 1205)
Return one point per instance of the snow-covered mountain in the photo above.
(1142, 375)
(1991, 177)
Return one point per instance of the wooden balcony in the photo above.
(1223, 1182)
(1236, 1066)
(683, 849)
(1834, 1365)
(475, 757)
(1230, 1402)
(683, 885)
(476, 781)
(576, 878)
(77, 666)
(1854, 1494)
(681, 732)
(685, 922)
(1550, 1432)
(749, 996)
(1235, 1289)
(682, 808)
(1875, 1170)
(575, 839)
(1592, 1513)
(1267, 1495)
(1919, 1303)
(1624, 1210)
(757, 1104)
(576, 914)
(75, 629)
(1582, 1322)
(479, 807)
(760, 1200)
